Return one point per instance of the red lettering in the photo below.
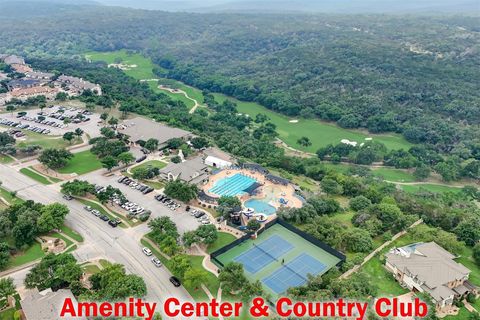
(68, 307)
(106, 309)
(166, 307)
(280, 307)
(378, 307)
(299, 309)
(421, 308)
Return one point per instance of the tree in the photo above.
(304, 141)
(358, 240)
(232, 278)
(181, 190)
(151, 144)
(179, 265)
(109, 162)
(199, 142)
(52, 217)
(189, 238)
(113, 284)
(113, 122)
(69, 136)
(126, 158)
(4, 255)
(67, 121)
(107, 132)
(227, 205)
(176, 159)
(421, 172)
(207, 234)
(104, 117)
(10, 108)
(61, 96)
(78, 132)
(253, 225)
(331, 186)
(78, 188)
(175, 143)
(359, 203)
(261, 118)
(468, 231)
(55, 158)
(476, 253)
(54, 271)
(193, 278)
(7, 288)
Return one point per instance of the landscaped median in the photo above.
(37, 176)
(211, 281)
(110, 214)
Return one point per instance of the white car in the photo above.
(206, 222)
(147, 251)
(156, 262)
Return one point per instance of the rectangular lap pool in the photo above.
(232, 186)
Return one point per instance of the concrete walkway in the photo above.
(374, 252)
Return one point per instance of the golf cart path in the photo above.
(175, 91)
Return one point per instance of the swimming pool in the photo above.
(231, 186)
(260, 206)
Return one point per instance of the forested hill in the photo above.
(417, 75)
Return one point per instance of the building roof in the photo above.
(39, 75)
(78, 83)
(256, 167)
(143, 129)
(217, 153)
(220, 163)
(277, 179)
(429, 264)
(187, 170)
(22, 83)
(46, 304)
(33, 91)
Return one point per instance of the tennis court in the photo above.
(279, 259)
(294, 273)
(264, 253)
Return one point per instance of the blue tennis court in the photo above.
(294, 273)
(264, 253)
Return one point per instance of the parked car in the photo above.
(104, 217)
(88, 208)
(147, 251)
(199, 214)
(114, 223)
(175, 281)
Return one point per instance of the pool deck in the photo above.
(269, 190)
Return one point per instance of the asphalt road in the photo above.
(100, 240)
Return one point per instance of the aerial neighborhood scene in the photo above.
(233, 159)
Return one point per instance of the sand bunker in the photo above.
(293, 121)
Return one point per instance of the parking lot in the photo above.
(50, 120)
(183, 219)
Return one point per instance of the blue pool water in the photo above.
(231, 186)
(260, 206)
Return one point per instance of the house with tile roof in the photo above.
(427, 267)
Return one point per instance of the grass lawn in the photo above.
(138, 66)
(45, 141)
(5, 159)
(5, 194)
(32, 253)
(174, 96)
(157, 185)
(192, 92)
(224, 238)
(7, 314)
(463, 314)
(211, 282)
(152, 163)
(320, 133)
(91, 268)
(105, 263)
(81, 163)
(429, 187)
(387, 286)
(395, 175)
(71, 249)
(72, 234)
(466, 258)
(35, 176)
